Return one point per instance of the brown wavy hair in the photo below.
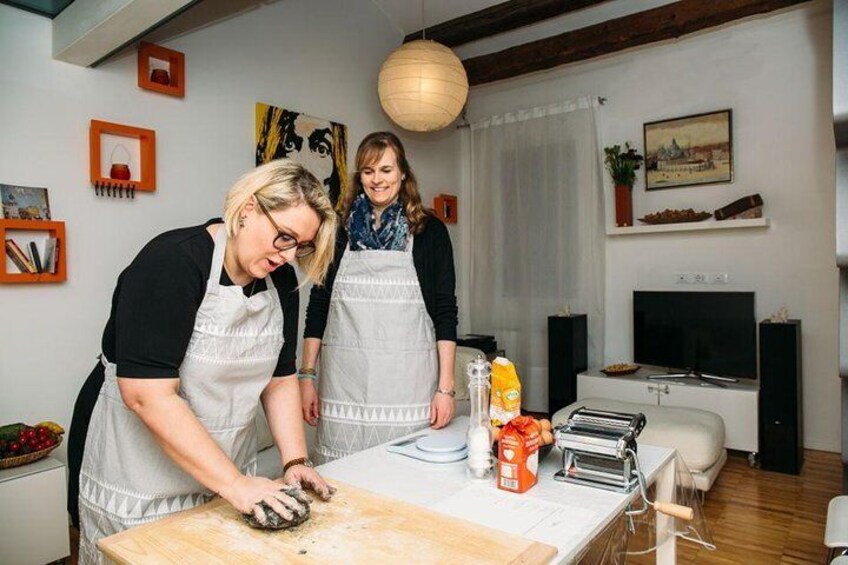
(370, 151)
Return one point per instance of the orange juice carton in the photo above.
(518, 454)
(505, 399)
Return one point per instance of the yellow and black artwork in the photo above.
(318, 144)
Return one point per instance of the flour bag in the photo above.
(505, 401)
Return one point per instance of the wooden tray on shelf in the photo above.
(629, 370)
(674, 217)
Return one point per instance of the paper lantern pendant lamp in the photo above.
(423, 86)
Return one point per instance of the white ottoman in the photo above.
(697, 435)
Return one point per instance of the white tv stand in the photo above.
(736, 402)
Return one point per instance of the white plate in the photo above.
(441, 443)
(410, 448)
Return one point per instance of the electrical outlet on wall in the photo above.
(699, 278)
(718, 278)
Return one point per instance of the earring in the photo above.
(241, 221)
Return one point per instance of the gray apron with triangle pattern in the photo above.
(379, 364)
(126, 478)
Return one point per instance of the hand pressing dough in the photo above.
(273, 521)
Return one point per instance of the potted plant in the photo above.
(622, 167)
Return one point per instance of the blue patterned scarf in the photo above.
(392, 234)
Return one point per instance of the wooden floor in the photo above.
(757, 517)
(761, 517)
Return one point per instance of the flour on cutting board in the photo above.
(356, 527)
(330, 522)
(510, 512)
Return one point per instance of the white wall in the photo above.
(321, 58)
(775, 73)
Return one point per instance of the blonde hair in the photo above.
(371, 151)
(283, 184)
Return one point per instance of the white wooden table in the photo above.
(561, 514)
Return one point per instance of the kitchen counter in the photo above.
(564, 515)
(390, 505)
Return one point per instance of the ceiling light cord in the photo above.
(423, 22)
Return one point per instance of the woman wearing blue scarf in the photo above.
(385, 319)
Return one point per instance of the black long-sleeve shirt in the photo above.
(432, 254)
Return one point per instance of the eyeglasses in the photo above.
(285, 241)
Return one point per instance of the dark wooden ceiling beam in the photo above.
(658, 24)
(498, 19)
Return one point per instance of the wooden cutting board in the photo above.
(358, 526)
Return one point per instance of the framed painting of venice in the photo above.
(689, 151)
(317, 143)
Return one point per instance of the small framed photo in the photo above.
(689, 151)
(24, 202)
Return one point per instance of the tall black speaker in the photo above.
(567, 344)
(781, 418)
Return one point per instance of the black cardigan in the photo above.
(432, 254)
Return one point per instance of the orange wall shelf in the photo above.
(55, 229)
(176, 69)
(147, 142)
(446, 207)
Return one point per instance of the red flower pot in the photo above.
(160, 76)
(120, 171)
(623, 205)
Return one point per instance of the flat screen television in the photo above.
(699, 332)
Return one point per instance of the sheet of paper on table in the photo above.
(514, 513)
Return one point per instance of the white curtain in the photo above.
(537, 232)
